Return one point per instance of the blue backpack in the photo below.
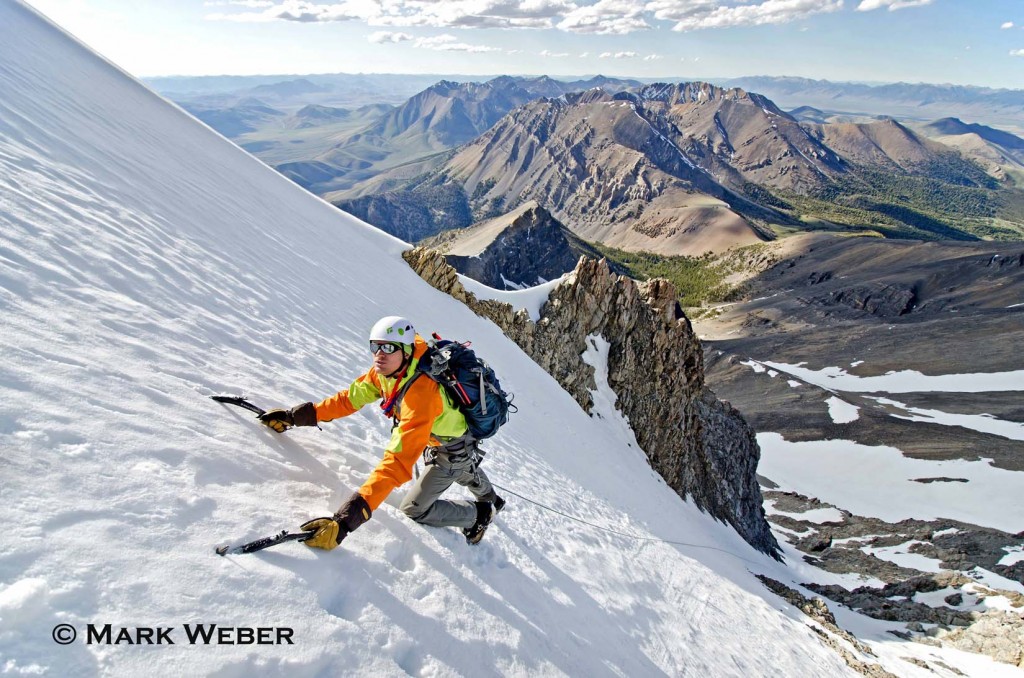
(471, 384)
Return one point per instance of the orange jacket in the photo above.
(424, 414)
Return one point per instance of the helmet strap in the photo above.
(406, 359)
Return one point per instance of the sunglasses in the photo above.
(386, 349)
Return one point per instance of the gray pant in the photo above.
(422, 503)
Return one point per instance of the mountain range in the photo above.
(683, 168)
(423, 167)
(914, 101)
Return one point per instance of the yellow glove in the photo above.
(328, 533)
(279, 420)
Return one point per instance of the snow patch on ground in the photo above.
(901, 555)
(984, 423)
(754, 365)
(877, 481)
(530, 299)
(841, 411)
(906, 381)
(938, 598)
(617, 424)
(996, 581)
(1014, 554)
(850, 540)
(821, 515)
(948, 530)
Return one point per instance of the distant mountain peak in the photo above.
(956, 126)
(445, 86)
(318, 111)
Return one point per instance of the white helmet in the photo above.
(394, 329)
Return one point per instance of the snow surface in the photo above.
(821, 515)
(1014, 554)
(754, 365)
(841, 411)
(901, 555)
(604, 399)
(146, 263)
(938, 598)
(877, 481)
(985, 423)
(905, 381)
(531, 299)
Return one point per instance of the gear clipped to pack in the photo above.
(471, 384)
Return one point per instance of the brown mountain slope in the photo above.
(884, 143)
(741, 137)
(659, 170)
(691, 168)
(999, 162)
(1000, 153)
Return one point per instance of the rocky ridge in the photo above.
(952, 607)
(701, 446)
(525, 247)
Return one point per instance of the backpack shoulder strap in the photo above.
(401, 394)
(422, 368)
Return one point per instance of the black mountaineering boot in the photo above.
(485, 511)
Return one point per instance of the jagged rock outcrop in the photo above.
(998, 634)
(701, 447)
(862, 661)
(524, 247)
(895, 602)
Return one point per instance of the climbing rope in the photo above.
(609, 530)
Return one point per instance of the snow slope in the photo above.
(146, 263)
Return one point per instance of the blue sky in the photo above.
(977, 42)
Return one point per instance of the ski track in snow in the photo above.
(148, 263)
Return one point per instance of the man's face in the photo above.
(386, 363)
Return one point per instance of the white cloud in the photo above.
(433, 41)
(449, 43)
(387, 36)
(606, 17)
(600, 17)
(868, 5)
(1007, 24)
(1017, 52)
(618, 55)
(653, 57)
(691, 15)
(448, 14)
(548, 53)
(253, 4)
(305, 12)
